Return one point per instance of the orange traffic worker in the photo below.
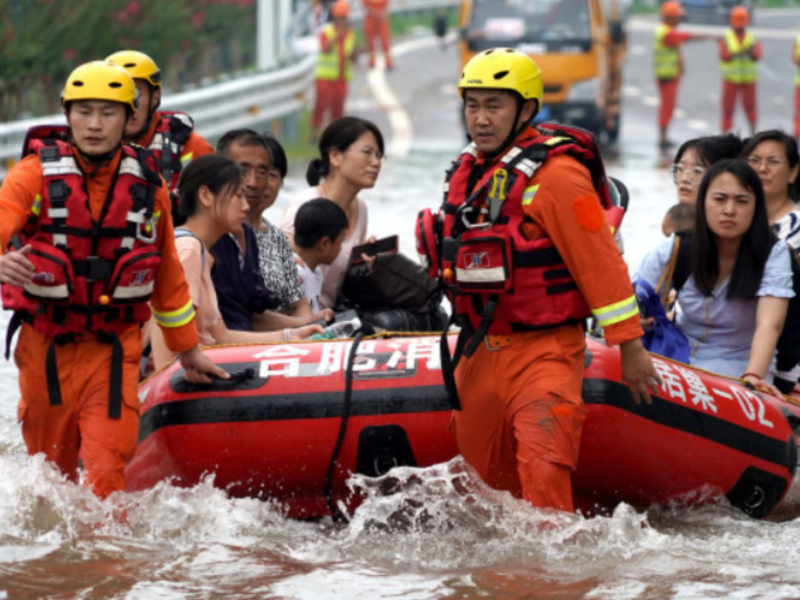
(376, 26)
(170, 136)
(796, 61)
(527, 256)
(91, 243)
(739, 51)
(337, 46)
(668, 64)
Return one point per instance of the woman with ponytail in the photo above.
(351, 153)
(211, 205)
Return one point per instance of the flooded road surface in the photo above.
(445, 536)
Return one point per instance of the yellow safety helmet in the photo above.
(503, 69)
(138, 65)
(100, 80)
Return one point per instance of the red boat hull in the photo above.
(273, 435)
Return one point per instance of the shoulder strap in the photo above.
(678, 267)
(180, 232)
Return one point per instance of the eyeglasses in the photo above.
(369, 153)
(771, 162)
(678, 172)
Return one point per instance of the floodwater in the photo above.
(442, 536)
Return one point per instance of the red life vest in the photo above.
(170, 137)
(91, 277)
(500, 281)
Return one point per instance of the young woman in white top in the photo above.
(351, 153)
(212, 205)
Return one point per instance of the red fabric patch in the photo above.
(589, 213)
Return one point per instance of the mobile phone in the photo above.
(387, 244)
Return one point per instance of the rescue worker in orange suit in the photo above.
(520, 388)
(668, 64)
(376, 25)
(170, 136)
(337, 47)
(94, 242)
(739, 51)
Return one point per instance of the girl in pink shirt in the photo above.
(212, 205)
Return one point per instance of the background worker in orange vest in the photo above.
(98, 244)
(796, 60)
(739, 51)
(376, 25)
(668, 64)
(337, 46)
(170, 136)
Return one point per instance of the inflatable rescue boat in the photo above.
(294, 422)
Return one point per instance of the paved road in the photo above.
(417, 107)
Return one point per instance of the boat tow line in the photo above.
(347, 401)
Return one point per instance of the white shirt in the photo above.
(312, 284)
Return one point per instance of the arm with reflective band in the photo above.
(18, 194)
(195, 146)
(171, 302)
(563, 209)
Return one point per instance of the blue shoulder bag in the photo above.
(665, 338)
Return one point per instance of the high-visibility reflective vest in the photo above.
(741, 68)
(336, 63)
(797, 55)
(666, 59)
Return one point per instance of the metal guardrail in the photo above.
(243, 102)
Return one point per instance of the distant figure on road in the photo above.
(440, 26)
(170, 136)
(376, 24)
(739, 51)
(337, 45)
(668, 64)
(796, 60)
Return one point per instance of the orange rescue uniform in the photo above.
(731, 90)
(376, 24)
(522, 410)
(668, 86)
(195, 146)
(81, 426)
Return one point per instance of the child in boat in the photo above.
(211, 206)
(678, 219)
(319, 229)
(733, 303)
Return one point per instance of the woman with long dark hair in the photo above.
(733, 304)
(212, 205)
(350, 159)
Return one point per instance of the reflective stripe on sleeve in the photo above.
(187, 158)
(614, 313)
(175, 318)
(37, 205)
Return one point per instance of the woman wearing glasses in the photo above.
(734, 301)
(774, 157)
(694, 157)
(351, 155)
